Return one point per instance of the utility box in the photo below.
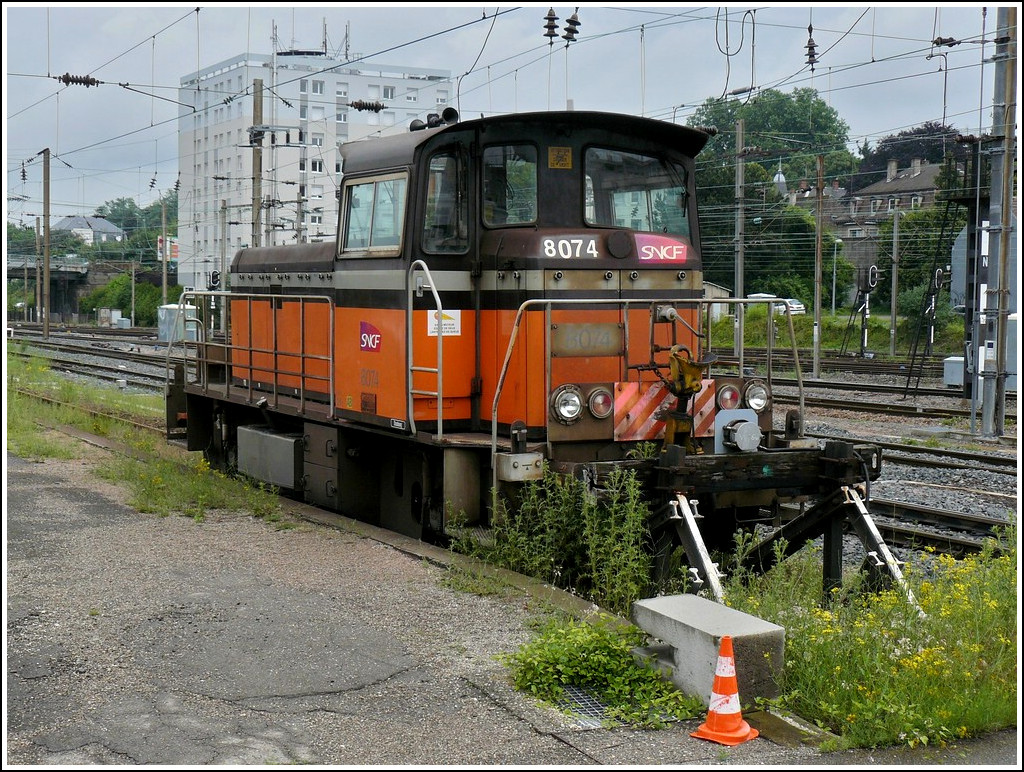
(171, 325)
(953, 372)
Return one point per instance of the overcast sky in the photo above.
(877, 68)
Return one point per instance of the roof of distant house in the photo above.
(915, 178)
(95, 224)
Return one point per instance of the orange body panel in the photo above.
(288, 347)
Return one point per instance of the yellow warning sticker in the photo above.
(559, 157)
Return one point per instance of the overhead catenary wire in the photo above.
(492, 78)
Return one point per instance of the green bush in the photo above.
(598, 658)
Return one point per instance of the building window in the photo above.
(316, 165)
(316, 191)
(303, 112)
(915, 202)
(303, 86)
(316, 219)
(341, 117)
(318, 87)
(893, 203)
(876, 204)
(341, 90)
(316, 114)
(318, 140)
(412, 96)
(855, 233)
(388, 92)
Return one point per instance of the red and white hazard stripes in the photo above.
(639, 409)
(725, 722)
(704, 409)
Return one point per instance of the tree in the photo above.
(782, 132)
(117, 293)
(21, 240)
(142, 228)
(925, 244)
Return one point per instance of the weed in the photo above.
(598, 658)
(873, 671)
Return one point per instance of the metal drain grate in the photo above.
(589, 710)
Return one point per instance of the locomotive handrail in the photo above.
(409, 348)
(547, 303)
(201, 340)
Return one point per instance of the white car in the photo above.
(795, 306)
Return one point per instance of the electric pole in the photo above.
(817, 267)
(738, 292)
(46, 244)
(257, 159)
(164, 249)
(997, 307)
(895, 273)
(39, 275)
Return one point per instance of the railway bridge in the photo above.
(71, 277)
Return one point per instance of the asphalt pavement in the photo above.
(139, 640)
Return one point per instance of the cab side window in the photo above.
(445, 224)
(374, 214)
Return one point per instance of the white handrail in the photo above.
(409, 348)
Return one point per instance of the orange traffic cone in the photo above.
(725, 723)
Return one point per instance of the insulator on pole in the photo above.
(551, 26)
(78, 80)
(572, 25)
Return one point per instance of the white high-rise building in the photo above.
(310, 104)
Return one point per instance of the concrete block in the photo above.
(690, 629)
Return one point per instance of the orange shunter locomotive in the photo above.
(505, 295)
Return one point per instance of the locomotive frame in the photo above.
(505, 295)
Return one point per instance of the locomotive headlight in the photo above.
(728, 397)
(600, 403)
(756, 396)
(567, 404)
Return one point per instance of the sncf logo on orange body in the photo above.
(369, 337)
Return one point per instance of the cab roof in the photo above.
(399, 150)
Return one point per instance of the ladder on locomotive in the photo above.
(418, 279)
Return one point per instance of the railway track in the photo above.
(916, 527)
(901, 523)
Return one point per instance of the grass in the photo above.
(158, 480)
(873, 671)
(949, 336)
(865, 665)
(597, 656)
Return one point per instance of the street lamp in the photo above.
(835, 248)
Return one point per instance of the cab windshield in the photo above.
(638, 192)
